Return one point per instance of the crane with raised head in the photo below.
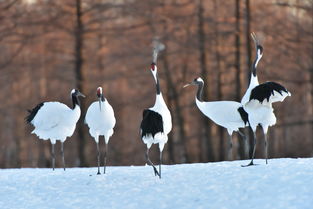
(156, 121)
(257, 100)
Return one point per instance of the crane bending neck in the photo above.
(200, 92)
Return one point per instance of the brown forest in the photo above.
(47, 48)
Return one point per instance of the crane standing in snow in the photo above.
(157, 121)
(55, 121)
(258, 99)
(228, 114)
(101, 121)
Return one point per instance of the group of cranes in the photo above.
(56, 121)
(254, 109)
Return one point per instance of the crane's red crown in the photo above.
(99, 91)
(153, 66)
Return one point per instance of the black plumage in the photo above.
(151, 124)
(33, 112)
(266, 90)
(243, 115)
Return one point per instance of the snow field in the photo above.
(283, 183)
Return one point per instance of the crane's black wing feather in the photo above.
(151, 124)
(244, 115)
(33, 112)
(266, 90)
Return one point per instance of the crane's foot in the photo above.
(98, 173)
(156, 173)
(250, 164)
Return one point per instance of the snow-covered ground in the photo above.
(283, 183)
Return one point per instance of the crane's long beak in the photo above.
(100, 103)
(186, 85)
(80, 94)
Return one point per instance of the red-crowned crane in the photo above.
(258, 99)
(101, 121)
(228, 114)
(55, 121)
(157, 120)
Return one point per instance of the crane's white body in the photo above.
(161, 137)
(223, 113)
(100, 122)
(261, 112)
(55, 121)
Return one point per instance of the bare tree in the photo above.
(206, 150)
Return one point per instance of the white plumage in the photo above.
(55, 121)
(49, 125)
(224, 113)
(160, 137)
(156, 123)
(101, 121)
(258, 99)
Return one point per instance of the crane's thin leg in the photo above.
(98, 156)
(53, 156)
(160, 164)
(265, 143)
(105, 157)
(150, 163)
(229, 152)
(253, 153)
(62, 153)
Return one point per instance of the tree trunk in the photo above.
(206, 151)
(177, 108)
(80, 80)
(178, 116)
(219, 80)
(241, 142)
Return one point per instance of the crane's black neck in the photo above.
(253, 70)
(75, 101)
(200, 91)
(102, 98)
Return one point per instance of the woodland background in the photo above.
(49, 47)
